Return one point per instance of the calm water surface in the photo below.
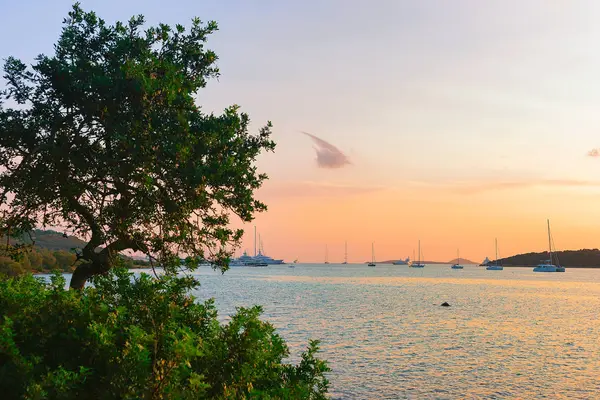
(508, 334)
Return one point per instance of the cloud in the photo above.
(315, 189)
(328, 156)
(594, 153)
(475, 188)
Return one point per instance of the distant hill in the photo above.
(462, 261)
(53, 240)
(49, 239)
(586, 258)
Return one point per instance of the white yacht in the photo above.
(547, 265)
(261, 258)
(496, 266)
(258, 260)
(406, 261)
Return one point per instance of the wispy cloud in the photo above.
(328, 156)
(315, 189)
(481, 187)
(594, 153)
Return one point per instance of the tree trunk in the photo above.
(85, 271)
(101, 262)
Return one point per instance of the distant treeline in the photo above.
(588, 258)
(39, 260)
(51, 250)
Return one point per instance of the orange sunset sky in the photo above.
(450, 122)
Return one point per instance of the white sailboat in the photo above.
(372, 263)
(548, 266)
(496, 267)
(345, 253)
(457, 265)
(326, 255)
(418, 264)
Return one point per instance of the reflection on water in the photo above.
(510, 333)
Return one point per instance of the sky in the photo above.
(450, 122)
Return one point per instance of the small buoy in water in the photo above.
(445, 304)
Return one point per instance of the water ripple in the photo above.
(513, 334)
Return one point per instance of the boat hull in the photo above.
(457, 267)
(548, 268)
(418, 266)
(494, 268)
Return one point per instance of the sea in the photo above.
(511, 334)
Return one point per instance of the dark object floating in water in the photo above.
(445, 304)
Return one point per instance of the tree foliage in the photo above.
(140, 337)
(107, 140)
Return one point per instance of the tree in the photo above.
(10, 267)
(139, 337)
(64, 260)
(108, 141)
(25, 262)
(35, 259)
(48, 259)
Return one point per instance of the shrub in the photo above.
(136, 336)
(10, 267)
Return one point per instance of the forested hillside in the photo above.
(589, 258)
(51, 250)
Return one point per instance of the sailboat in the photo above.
(418, 264)
(547, 266)
(326, 255)
(457, 265)
(496, 267)
(345, 253)
(372, 263)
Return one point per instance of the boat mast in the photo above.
(254, 240)
(326, 254)
(458, 256)
(549, 242)
(419, 259)
(373, 252)
(496, 239)
(346, 252)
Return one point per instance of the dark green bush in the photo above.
(140, 337)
